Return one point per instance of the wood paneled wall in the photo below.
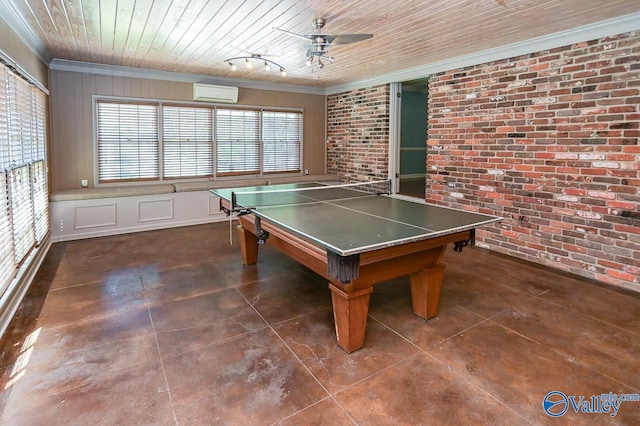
(72, 154)
(13, 47)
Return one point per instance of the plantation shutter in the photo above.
(127, 142)
(281, 141)
(187, 136)
(237, 142)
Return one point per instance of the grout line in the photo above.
(329, 394)
(330, 397)
(396, 333)
(284, 342)
(164, 371)
(471, 380)
(567, 357)
(551, 302)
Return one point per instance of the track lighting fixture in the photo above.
(248, 62)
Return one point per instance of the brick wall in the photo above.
(549, 141)
(358, 134)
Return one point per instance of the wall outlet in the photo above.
(306, 171)
(84, 183)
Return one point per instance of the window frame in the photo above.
(160, 103)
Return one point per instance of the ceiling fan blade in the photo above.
(304, 37)
(351, 38)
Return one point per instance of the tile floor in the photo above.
(168, 327)
(413, 187)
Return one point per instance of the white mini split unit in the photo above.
(211, 93)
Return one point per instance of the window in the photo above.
(24, 216)
(187, 135)
(238, 142)
(281, 141)
(127, 142)
(156, 141)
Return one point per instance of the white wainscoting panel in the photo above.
(96, 216)
(214, 205)
(77, 219)
(151, 210)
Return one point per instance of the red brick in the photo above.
(576, 110)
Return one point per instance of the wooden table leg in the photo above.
(350, 312)
(426, 286)
(248, 246)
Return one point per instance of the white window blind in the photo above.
(127, 142)
(237, 142)
(22, 211)
(187, 142)
(281, 141)
(24, 217)
(7, 258)
(40, 199)
(39, 166)
(39, 103)
(150, 140)
(5, 157)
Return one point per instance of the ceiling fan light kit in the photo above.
(318, 49)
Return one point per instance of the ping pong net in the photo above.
(244, 200)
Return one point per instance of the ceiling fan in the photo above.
(318, 49)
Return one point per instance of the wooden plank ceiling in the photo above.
(196, 36)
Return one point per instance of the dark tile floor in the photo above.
(168, 327)
(412, 187)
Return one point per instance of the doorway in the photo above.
(411, 146)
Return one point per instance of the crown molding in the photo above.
(609, 27)
(10, 14)
(117, 70)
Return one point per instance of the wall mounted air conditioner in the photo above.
(211, 93)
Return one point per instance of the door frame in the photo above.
(395, 111)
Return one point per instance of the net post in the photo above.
(233, 201)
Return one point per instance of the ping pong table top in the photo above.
(347, 221)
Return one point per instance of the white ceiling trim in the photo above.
(9, 13)
(620, 25)
(117, 70)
